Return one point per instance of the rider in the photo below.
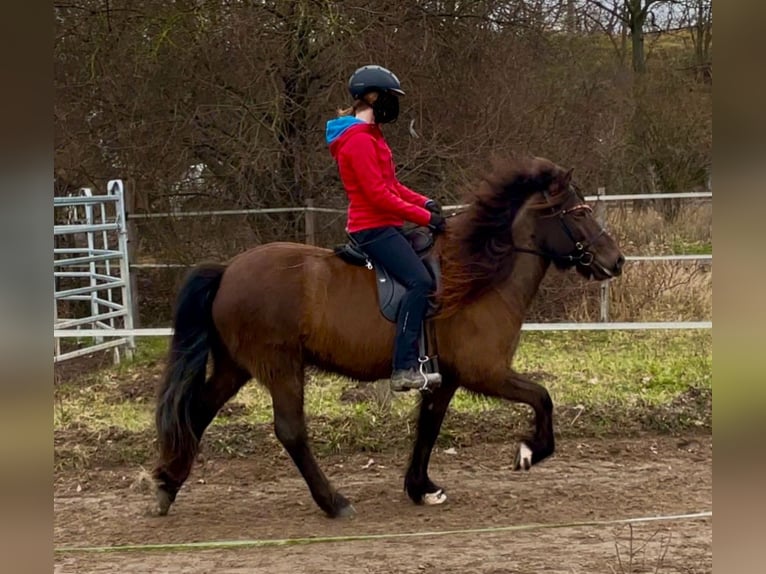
(379, 205)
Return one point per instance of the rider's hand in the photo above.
(437, 224)
(433, 206)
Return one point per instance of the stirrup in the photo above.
(428, 385)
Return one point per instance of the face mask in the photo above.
(385, 108)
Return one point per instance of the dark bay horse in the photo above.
(279, 307)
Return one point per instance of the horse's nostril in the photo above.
(619, 264)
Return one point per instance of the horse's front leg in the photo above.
(518, 388)
(433, 407)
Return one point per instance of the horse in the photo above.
(280, 307)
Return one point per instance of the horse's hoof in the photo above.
(346, 511)
(163, 502)
(523, 458)
(434, 498)
(341, 507)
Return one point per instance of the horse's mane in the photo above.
(476, 253)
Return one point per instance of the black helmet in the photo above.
(369, 78)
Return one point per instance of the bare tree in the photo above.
(214, 104)
(635, 16)
(698, 17)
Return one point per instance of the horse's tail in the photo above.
(187, 362)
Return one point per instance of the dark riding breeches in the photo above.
(389, 248)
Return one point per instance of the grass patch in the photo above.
(682, 246)
(149, 350)
(616, 378)
(619, 366)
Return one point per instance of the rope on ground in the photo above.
(223, 544)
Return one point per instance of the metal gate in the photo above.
(91, 272)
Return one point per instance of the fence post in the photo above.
(91, 242)
(310, 222)
(604, 288)
(132, 233)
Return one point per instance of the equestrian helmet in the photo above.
(368, 78)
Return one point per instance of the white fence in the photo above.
(311, 209)
(94, 263)
(611, 326)
(127, 333)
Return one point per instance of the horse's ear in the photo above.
(560, 182)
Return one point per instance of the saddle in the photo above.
(390, 291)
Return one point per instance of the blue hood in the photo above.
(337, 126)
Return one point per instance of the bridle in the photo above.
(580, 254)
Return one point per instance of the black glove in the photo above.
(437, 224)
(433, 206)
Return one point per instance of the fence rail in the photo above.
(312, 209)
(254, 211)
(637, 258)
(609, 326)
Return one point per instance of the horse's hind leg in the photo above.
(433, 407)
(518, 388)
(172, 471)
(284, 377)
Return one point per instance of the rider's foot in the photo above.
(412, 378)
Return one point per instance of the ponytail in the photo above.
(358, 104)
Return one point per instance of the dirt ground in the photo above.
(587, 480)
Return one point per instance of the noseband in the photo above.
(580, 254)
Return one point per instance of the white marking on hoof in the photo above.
(347, 511)
(525, 456)
(434, 498)
(163, 502)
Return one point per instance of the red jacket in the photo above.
(376, 197)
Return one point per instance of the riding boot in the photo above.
(412, 378)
